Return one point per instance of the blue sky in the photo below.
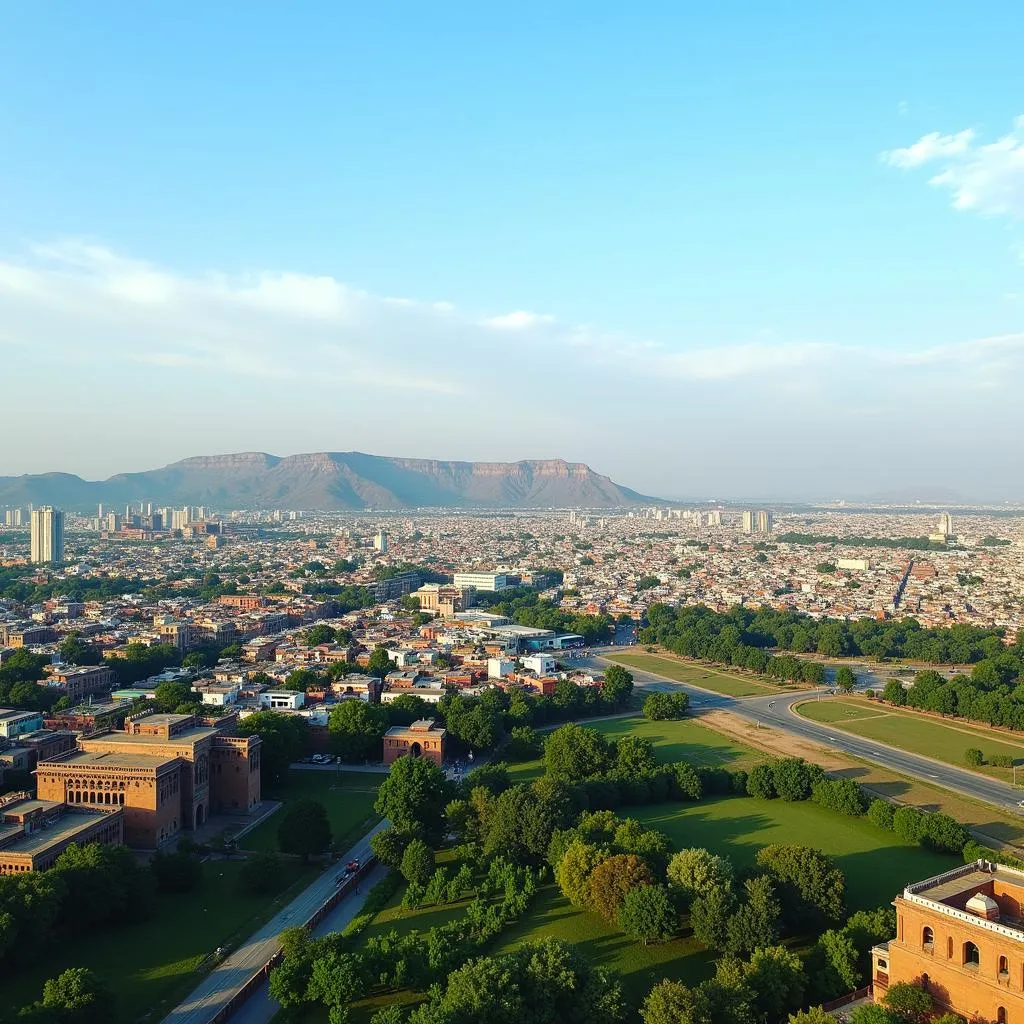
(743, 249)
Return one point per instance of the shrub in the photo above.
(715, 781)
(908, 824)
(973, 756)
(880, 813)
(687, 781)
(792, 777)
(738, 781)
(761, 781)
(869, 693)
(843, 796)
(943, 833)
(908, 1002)
(418, 862)
(1001, 761)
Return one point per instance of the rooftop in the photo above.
(109, 759)
(65, 826)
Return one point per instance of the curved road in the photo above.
(776, 711)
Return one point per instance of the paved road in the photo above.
(775, 711)
(217, 989)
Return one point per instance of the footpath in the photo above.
(326, 904)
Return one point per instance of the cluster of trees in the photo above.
(475, 723)
(18, 675)
(696, 631)
(993, 693)
(14, 586)
(331, 972)
(665, 705)
(526, 608)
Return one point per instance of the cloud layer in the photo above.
(126, 364)
(988, 178)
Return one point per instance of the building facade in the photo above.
(168, 773)
(423, 738)
(960, 936)
(47, 535)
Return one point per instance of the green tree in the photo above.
(775, 976)
(696, 872)
(169, 695)
(285, 740)
(418, 862)
(845, 678)
(573, 870)
(302, 679)
(894, 693)
(755, 923)
(761, 781)
(574, 753)
(792, 777)
(389, 845)
(379, 664)
(813, 888)
(76, 996)
(304, 829)
(974, 757)
(413, 797)
(524, 743)
(710, 916)
(612, 879)
(618, 686)
(319, 634)
(634, 758)
(356, 728)
(908, 1002)
(661, 706)
(647, 914)
(812, 1015)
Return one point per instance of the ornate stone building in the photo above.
(960, 936)
(168, 772)
(421, 739)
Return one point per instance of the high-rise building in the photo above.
(748, 522)
(47, 538)
(763, 521)
(380, 542)
(946, 524)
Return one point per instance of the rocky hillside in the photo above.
(332, 480)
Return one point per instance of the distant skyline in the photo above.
(743, 253)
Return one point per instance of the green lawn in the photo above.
(876, 865)
(694, 674)
(153, 965)
(684, 740)
(913, 732)
(348, 797)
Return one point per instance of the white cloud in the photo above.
(928, 148)
(520, 320)
(987, 178)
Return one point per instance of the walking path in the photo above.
(212, 998)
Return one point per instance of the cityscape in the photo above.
(511, 514)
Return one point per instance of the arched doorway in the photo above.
(415, 750)
(200, 815)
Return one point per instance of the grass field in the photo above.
(694, 674)
(348, 797)
(916, 733)
(152, 965)
(684, 740)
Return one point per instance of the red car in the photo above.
(352, 865)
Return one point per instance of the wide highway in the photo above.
(776, 712)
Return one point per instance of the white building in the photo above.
(542, 664)
(498, 668)
(380, 542)
(47, 537)
(481, 580)
(285, 700)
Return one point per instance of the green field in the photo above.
(695, 675)
(348, 797)
(153, 965)
(915, 733)
(684, 740)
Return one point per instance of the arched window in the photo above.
(1001, 1015)
(927, 938)
(972, 958)
(949, 947)
(1004, 967)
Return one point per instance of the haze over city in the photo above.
(709, 253)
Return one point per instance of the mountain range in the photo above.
(328, 481)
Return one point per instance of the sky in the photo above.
(735, 250)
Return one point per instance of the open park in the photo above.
(876, 864)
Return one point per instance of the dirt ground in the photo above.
(992, 827)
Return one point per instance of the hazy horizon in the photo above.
(705, 253)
